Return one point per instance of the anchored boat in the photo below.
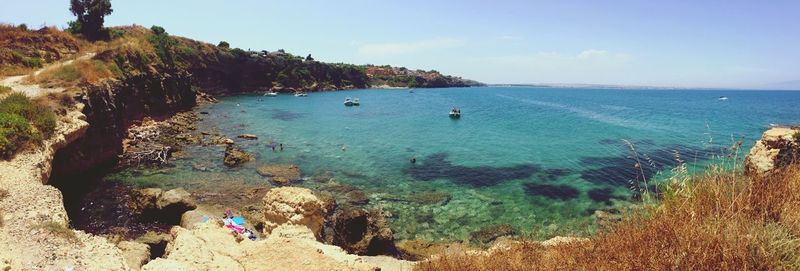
(455, 113)
(348, 101)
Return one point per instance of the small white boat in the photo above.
(723, 98)
(356, 101)
(455, 113)
(300, 94)
(271, 94)
(348, 101)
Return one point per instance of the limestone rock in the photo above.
(190, 218)
(289, 247)
(144, 199)
(234, 156)
(162, 264)
(248, 136)
(152, 203)
(176, 199)
(294, 206)
(561, 240)
(135, 254)
(776, 148)
(280, 174)
(361, 232)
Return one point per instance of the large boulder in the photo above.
(360, 232)
(294, 206)
(173, 203)
(280, 174)
(234, 156)
(168, 207)
(777, 148)
(135, 254)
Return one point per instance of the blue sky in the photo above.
(662, 43)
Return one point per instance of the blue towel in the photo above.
(238, 220)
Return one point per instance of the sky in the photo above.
(732, 43)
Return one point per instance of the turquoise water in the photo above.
(539, 159)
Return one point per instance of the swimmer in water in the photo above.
(413, 159)
(281, 146)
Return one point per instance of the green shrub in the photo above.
(30, 62)
(115, 34)
(14, 132)
(164, 45)
(39, 115)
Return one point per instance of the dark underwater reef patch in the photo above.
(622, 170)
(603, 195)
(284, 115)
(436, 166)
(552, 191)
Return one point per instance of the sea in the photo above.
(543, 161)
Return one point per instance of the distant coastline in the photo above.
(637, 87)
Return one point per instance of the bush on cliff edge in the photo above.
(23, 121)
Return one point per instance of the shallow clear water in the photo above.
(540, 159)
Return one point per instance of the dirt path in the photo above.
(34, 90)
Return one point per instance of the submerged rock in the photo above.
(234, 156)
(361, 232)
(777, 148)
(488, 234)
(294, 206)
(281, 174)
(417, 249)
(248, 136)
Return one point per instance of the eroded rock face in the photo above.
(294, 206)
(778, 147)
(280, 174)
(361, 232)
(234, 156)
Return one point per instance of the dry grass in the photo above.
(22, 51)
(719, 221)
(78, 72)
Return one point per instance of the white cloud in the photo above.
(396, 48)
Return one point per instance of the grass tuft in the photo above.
(58, 230)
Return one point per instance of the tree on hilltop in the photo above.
(224, 44)
(91, 16)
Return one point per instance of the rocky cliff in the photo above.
(34, 229)
(777, 148)
(142, 88)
